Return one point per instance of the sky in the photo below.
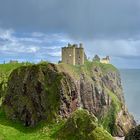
(34, 30)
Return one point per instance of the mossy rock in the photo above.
(82, 126)
(38, 92)
(32, 94)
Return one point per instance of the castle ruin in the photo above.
(105, 60)
(73, 54)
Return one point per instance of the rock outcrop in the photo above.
(82, 126)
(134, 134)
(52, 92)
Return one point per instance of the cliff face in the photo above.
(133, 134)
(53, 92)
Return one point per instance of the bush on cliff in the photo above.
(82, 126)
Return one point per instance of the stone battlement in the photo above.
(73, 54)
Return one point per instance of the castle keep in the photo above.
(73, 54)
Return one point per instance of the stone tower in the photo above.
(73, 54)
(79, 55)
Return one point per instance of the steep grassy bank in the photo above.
(82, 126)
(87, 129)
(14, 130)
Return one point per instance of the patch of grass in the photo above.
(73, 71)
(105, 67)
(9, 67)
(108, 121)
(10, 130)
(100, 134)
(81, 125)
(87, 68)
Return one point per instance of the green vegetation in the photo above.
(10, 130)
(87, 68)
(82, 126)
(5, 71)
(9, 67)
(104, 67)
(108, 121)
(44, 85)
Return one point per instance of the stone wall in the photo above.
(68, 55)
(79, 56)
(73, 54)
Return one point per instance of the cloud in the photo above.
(55, 54)
(116, 48)
(124, 53)
(13, 44)
(86, 19)
(35, 30)
(30, 46)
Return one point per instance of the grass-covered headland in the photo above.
(96, 80)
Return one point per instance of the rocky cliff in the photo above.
(133, 134)
(52, 92)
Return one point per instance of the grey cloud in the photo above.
(117, 48)
(81, 19)
(31, 48)
(107, 27)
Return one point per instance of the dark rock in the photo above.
(36, 93)
(134, 134)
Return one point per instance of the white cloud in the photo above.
(34, 45)
(56, 54)
(13, 44)
(6, 34)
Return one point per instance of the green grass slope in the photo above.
(80, 126)
(10, 130)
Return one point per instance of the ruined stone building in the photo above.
(105, 60)
(73, 54)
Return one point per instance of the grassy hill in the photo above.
(10, 130)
